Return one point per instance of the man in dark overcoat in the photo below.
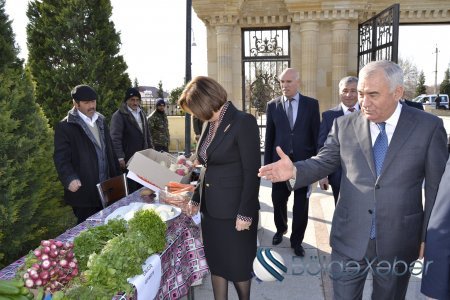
(83, 153)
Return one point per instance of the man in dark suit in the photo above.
(293, 122)
(436, 273)
(348, 95)
(386, 152)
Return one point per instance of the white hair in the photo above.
(296, 73)
(392, 72)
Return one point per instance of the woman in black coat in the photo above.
(227, 193)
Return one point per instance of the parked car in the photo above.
(431, 100)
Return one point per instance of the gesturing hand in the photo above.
(324, 184)
(192, 208)
(281, 170)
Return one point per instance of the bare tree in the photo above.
(411, 77)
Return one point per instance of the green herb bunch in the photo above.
(118, 251)
(149, 224)
(94, 239)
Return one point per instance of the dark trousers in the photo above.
(82, 213)
(280, 195)
(389, 283)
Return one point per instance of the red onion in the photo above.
(46, 264)
(44, 275)
(29, 283)
(38, 252)
(63, 263)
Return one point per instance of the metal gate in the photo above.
(378, 37)
(265, 54)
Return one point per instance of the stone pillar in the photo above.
(309, 32)
(339, 59)
(224, 57)
(296, 44)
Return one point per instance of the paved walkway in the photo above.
(316, 244)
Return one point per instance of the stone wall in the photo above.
(324, 37)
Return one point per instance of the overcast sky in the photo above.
(153, 41)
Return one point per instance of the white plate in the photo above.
(165, 211)
(119, 213)
(172, 211)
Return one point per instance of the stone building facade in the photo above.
(323, 37)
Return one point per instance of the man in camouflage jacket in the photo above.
(159, 127)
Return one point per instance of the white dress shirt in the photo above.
(87, 120)
(391, 123)
(137, 115)
(294, 104)
(345, 108)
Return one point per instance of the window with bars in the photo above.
(265, 53)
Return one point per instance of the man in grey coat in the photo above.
(386, 152)
(129, 131)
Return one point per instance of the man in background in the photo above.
(159, 127)
(417, 105)
(436, 272)
(437, 102)
(83, 154)
(293, 122)
(129, 131)
(348, 95)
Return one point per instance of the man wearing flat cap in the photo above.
(159, 126)
(83, 153)
(129, 130)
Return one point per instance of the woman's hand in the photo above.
(192, 208)
(242, 225)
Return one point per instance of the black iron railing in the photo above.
(171, 109)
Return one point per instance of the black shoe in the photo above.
(277, 238)
(299, 251)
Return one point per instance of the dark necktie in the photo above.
(351, 109)
(379, 152)
(380, 147)
(290, 113)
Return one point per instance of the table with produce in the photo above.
(136, 238)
